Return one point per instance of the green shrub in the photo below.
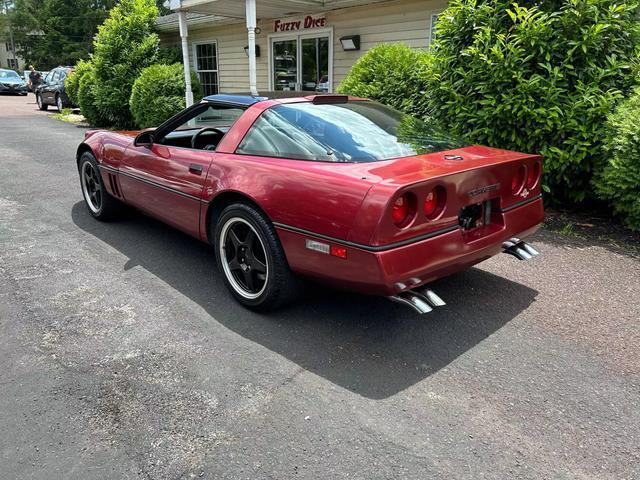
(539, 78)
(72, 82)
(87, 86)
(125, 44)
(619, 180)
(159, 93)
(391, 74)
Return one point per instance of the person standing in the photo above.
(35, 78)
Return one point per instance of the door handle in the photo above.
(195, 168)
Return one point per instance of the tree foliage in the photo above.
(49, 33)
(159, 93)
(536, 77)
(619, 180)
(124, 46)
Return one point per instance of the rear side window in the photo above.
(357, 131)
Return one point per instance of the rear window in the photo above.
(357, 131)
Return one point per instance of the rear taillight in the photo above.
(403, 210)
(517, 183)
(434, 202)
(534, 175)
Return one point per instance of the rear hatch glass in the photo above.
(357, 131)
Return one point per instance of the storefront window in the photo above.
(301, 63)
(206, 63)
(285, 65)
(315, 64)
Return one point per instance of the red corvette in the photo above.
(339, 189)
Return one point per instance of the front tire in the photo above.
(99, 202)
(251, 259)
(41, 105)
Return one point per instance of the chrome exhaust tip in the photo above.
(530, 250)
(519, 249)
(421, 302)
(413, 300)
(433, 299)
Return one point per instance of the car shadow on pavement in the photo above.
(368, 345)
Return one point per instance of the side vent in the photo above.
(113, 182)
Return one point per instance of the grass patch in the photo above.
(70, 116)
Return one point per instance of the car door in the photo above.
(166, 182)
(166, 178)
(49, 87)
(59, 87)
(45, 81)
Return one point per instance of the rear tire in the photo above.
(41, 105)
(251, 259)
(99, 202)
(59, 103)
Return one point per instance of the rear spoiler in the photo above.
(328, 99)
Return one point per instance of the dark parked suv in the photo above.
(51, 90)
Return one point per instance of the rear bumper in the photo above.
(389, 272)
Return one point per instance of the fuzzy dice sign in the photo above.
(306, 23)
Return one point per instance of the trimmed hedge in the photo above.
(391, 74)
(619, 180)
(159, 93)
(536, 79)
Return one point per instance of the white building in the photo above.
(299, 44)
(8, 59)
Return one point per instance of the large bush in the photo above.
(536, 77)
(391, 74)
(125, 44)
(619, 180)
(87, 88)
(159, 93)
(72, 82)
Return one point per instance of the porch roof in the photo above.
(264, 8)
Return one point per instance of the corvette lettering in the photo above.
(481, 190)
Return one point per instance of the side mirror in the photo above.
(144, 139)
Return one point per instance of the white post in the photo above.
(184, 36)
(251, 34)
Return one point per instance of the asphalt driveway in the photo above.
(123, 356)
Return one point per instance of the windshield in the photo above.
(357, 131)
(214, 116)
(9, 74)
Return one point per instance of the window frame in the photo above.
(187, 114)
(298, 36)
(433, 21)
(197, 71)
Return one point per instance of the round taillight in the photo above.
(403, 210)
(517, 183)
(534, 175)
(434, 202)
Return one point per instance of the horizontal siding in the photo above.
(406, 21)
